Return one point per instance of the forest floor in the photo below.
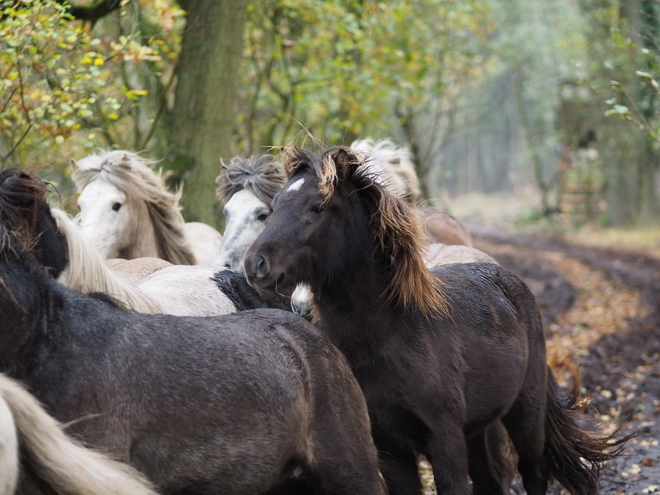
(601, 313)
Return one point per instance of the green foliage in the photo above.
(59, 83)
(340, 69)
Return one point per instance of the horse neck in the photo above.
(167, 236)
(351, 305)
(141, 233)
(29, 302)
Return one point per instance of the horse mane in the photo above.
(88, 273)
(393, 165)
(130, 173)
(263, 176)
(394, 224)
(22, 202)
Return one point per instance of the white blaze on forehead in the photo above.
(296, 185)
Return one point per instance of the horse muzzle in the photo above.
(258, 271)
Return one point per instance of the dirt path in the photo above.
(601, 311)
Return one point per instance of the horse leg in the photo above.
(489, 466)
(401, 473)
(525, 422)
(448, 454)
(333, 474)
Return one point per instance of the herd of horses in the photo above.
(139, 359)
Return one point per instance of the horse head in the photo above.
(105, 209)
(247, 187)
(335, 217)
(24, 210)
(126, 211)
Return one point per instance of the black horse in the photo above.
(201, 405)
(441, 356)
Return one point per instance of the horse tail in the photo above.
(575, 454)
(65, 465)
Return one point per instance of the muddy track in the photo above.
(620, 369)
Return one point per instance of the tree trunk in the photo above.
(204, 110)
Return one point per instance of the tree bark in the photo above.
(204, 110)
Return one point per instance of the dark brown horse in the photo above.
(441, 356)
(232, 404)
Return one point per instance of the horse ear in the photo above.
(347, 161)
(125, 161)
(74, 164)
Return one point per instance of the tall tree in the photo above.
(204, 110)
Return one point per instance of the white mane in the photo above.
(87, 271)
(182, 290)
(393, 165)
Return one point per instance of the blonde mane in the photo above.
(393, 165)
(394, 223)
(131, 174)
(87, 271)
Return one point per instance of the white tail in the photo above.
(68, 467)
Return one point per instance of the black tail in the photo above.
(575, 454)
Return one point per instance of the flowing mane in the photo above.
(394, 224)
(263, 176)
(131, 174)
(87, 272)
(393, 165)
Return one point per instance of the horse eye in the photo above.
(262, 217)
(318, 208)
(116, 206)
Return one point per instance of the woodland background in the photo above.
(559, 97)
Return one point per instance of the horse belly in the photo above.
(493, 380)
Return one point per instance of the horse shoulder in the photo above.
(204, 240)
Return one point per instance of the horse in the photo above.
(392, 165)
(444, 229)
(127, 212)
(229, 404)
(441, 355)
(62, 248)
(48, 457)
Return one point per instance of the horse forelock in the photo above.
(131, 174)
(263, 176)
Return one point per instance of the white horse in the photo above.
(178, 289)
(28, 435)
(127, 212)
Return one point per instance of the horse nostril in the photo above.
(262, 267)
